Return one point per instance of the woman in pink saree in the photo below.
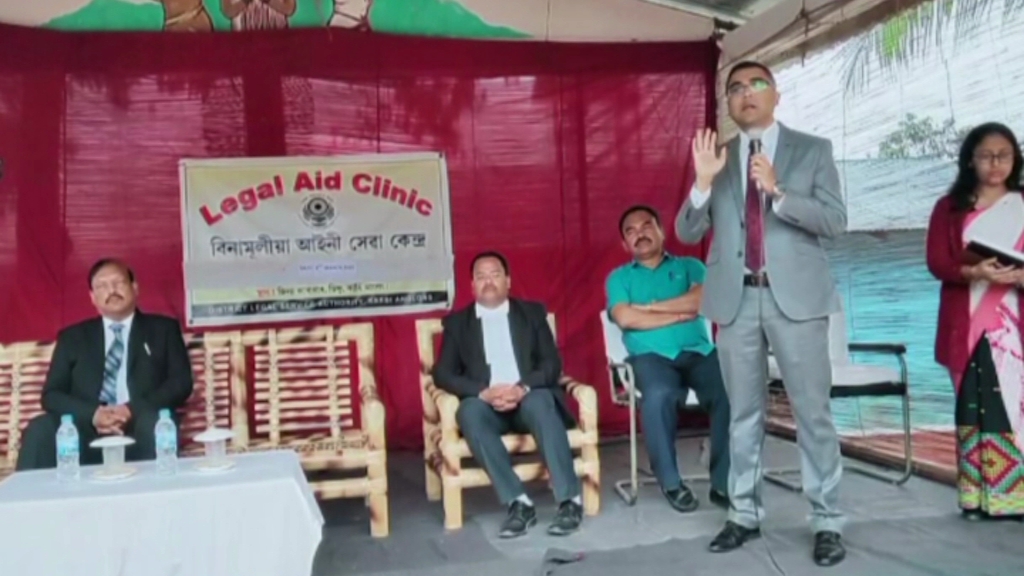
(979, 337)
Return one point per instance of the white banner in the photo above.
(274, 239)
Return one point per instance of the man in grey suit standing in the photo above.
(771, 194)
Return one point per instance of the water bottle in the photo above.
(68, 462)
(166, 434)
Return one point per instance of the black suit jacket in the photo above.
(462, 368)
(159, 371)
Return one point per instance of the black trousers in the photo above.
(39, 441)
(538, 414)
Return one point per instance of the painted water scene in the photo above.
(896, 105)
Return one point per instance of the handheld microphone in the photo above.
(755, 145)
(755, 148)
(755, 138)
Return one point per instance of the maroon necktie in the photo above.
(755, 220)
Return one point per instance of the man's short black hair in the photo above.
(489, 254)
(103, 263)
(633, 210)
(746, 65)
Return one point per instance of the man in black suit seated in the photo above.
(113, 374)
(499, 357)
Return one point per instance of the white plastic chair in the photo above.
(854, 380)
(625, 393)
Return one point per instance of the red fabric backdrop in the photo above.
(546, 143)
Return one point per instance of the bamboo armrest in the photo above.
(369, 394)
(586, 397)
(580, 391)
(370, 407)
(373, 416)
(432, 390)
(446, 402)
(447, 405)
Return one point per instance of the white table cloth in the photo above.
(258, 519)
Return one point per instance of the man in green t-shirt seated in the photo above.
(655, 300)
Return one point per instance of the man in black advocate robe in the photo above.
(112, 373)
(499, 358)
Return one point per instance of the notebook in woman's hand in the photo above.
(982, 250)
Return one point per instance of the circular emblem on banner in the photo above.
(318, 211)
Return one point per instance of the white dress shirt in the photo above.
(108, 339)
(769, 144)
(498, 350)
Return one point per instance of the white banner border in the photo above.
(376, 158)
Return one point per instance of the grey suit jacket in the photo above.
(797, 265)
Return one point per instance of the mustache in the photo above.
(112, 296)
(641, 239)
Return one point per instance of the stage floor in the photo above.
(914, 530)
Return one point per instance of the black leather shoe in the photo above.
(720, 499)
(567, 519)
(732, 537)
(681, 498)
(828, 548)
(972, 515)
(520, 518)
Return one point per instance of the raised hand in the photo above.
(708, 158)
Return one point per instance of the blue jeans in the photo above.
(663, 385)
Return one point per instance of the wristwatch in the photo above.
(526, 389)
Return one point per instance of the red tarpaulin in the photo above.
(546, 145)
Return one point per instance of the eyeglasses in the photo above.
(756, 86)
(989, 158)
(109, 286)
